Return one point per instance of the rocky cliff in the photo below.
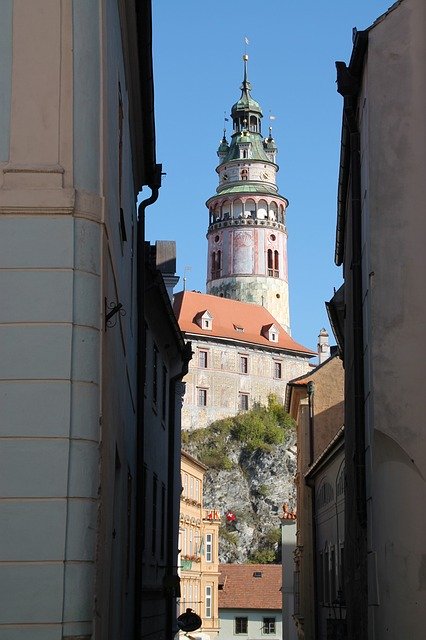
(250, 475)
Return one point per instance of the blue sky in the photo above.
(198, 69)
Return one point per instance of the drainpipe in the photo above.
(171, 556)
(310, 389)
(140, 404)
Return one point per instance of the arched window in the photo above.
(253, 123)
(250, 208)
(226, 210)
(238, 209)
(216, 263)
(270, 263)
(273, 211)
(262, 210)
(281, 215)
(276, 264)
(244, 172)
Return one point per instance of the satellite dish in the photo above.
(189, 621)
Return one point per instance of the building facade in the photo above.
(77, 145)
(315, 401)
(241, 356)
(198, 559)
(380, 243)
(166, 361)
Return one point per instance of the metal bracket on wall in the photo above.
(111, 310)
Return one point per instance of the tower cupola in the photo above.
(247, 235)
(223, 149)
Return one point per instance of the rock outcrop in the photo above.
(252, 493)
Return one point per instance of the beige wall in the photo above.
(393, 132)
(67, 387)
(198, 542)
(327, 402)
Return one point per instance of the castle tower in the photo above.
(247, 236)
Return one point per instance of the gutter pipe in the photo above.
(140, 404)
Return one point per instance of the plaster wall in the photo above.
(329, 539)
(254, 623)
(224, 382)
(393, 158)
(67, 388)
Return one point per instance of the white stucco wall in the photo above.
(254, 624)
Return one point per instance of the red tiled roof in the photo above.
(229, 314)
(241, 590)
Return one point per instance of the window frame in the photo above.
(278, 370)
(244, 364)
(209, 547)
(208, 602)
(243, 621)
(201, 397)
(246, 401)
(271, 629)
(203, 358)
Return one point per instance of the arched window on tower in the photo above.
(253, 123)
(244, 172)
(216, 263)
(270, 263)
(276, 264)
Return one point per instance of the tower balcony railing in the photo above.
(219, 224)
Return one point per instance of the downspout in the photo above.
(140, 404)
(310, 388)
(171, 556)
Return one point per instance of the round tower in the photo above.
(247, 236)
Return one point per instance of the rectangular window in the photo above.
(191, 487)
(154, 514)
(269, 625)
(241, 625)
(277, 370)
(155, 375)
(243, 402)
(164, 394)
(184, 541)
(209, 547)
(202, 359)
(202, 397)
(185, 485)
(208, 603)
(243, 364)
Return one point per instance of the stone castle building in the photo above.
(240, 330)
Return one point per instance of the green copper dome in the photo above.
(246, 103)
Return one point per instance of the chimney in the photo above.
(165, 261)
(323, 346)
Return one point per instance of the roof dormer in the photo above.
(271, 332)
(204, 319)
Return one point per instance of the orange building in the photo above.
(198, 544)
